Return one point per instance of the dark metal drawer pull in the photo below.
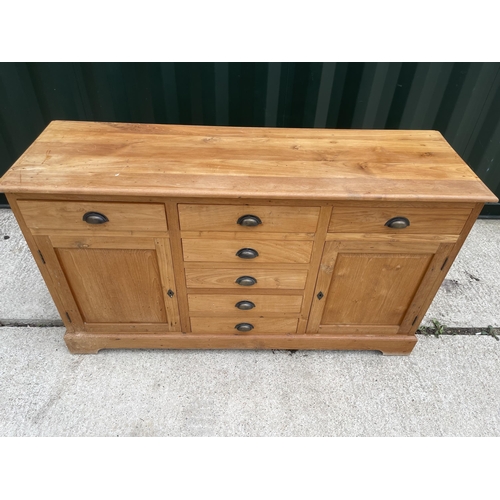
(249, 220)
(247, 253)
(398, 223)
(244, 327)
(245, 305)
(95, 218)
(246, 281)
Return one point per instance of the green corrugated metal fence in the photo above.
(461, 100)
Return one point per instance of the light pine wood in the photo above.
(166, 270)
(221, 325)
(438, 261)
(71, 312)
(319, 242)
(242, 265)
(415, 239)
(225, 305)
(68, 215)
(286, 219)
(371, 289)
(215, 277)
(166, 185)
(241, 291)
(422, 220)
(323, 197)
(328, 258)
(225, 251)
(124, 198)
(115, 285)
(364, 288)
(359, 329)
(54, 290)
(424, 247)
(222, 162)
(178, 265)
(430, 289)
(364, 203)
(101, 242)
(92, 343)
(106, 285)
(239, 236)
(138, 328)
(163, 254)
(115, 234)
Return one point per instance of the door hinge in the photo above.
(444, 263)
(320, 295)
(170, 293)
(69, 319)
(41, 256)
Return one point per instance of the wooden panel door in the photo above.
(374, 287)
(114, 283)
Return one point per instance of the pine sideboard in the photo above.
(181, 237)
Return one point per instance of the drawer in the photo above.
(242, 306)
(275, 251)
(228, 325)
(276, 219)
(69, 215)
(422, 220)
(294, 279)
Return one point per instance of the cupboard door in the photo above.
(373, 287)
(114, 284)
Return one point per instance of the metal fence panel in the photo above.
(461, 100)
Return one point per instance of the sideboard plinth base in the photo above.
(91, 343)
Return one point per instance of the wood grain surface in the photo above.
(213, 304)
(92, 343)
(269, 251)
(220, 325)
(234, 162)
(115, 285)
(323, 197)
(422, 220)
(274, 219)
(69, 215)
(220, 277)
(373, 289)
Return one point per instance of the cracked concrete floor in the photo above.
(446, 387)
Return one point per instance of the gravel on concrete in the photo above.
(470, 293)
(23, 293)
(446, 387)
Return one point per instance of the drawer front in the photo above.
(242, 306)
(374, 219)
(69, 215)
(208, 250)
(294, 279)
(276, 219)
(228, 325)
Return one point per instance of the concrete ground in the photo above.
(446, 387)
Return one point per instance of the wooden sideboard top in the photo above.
(235, 162)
